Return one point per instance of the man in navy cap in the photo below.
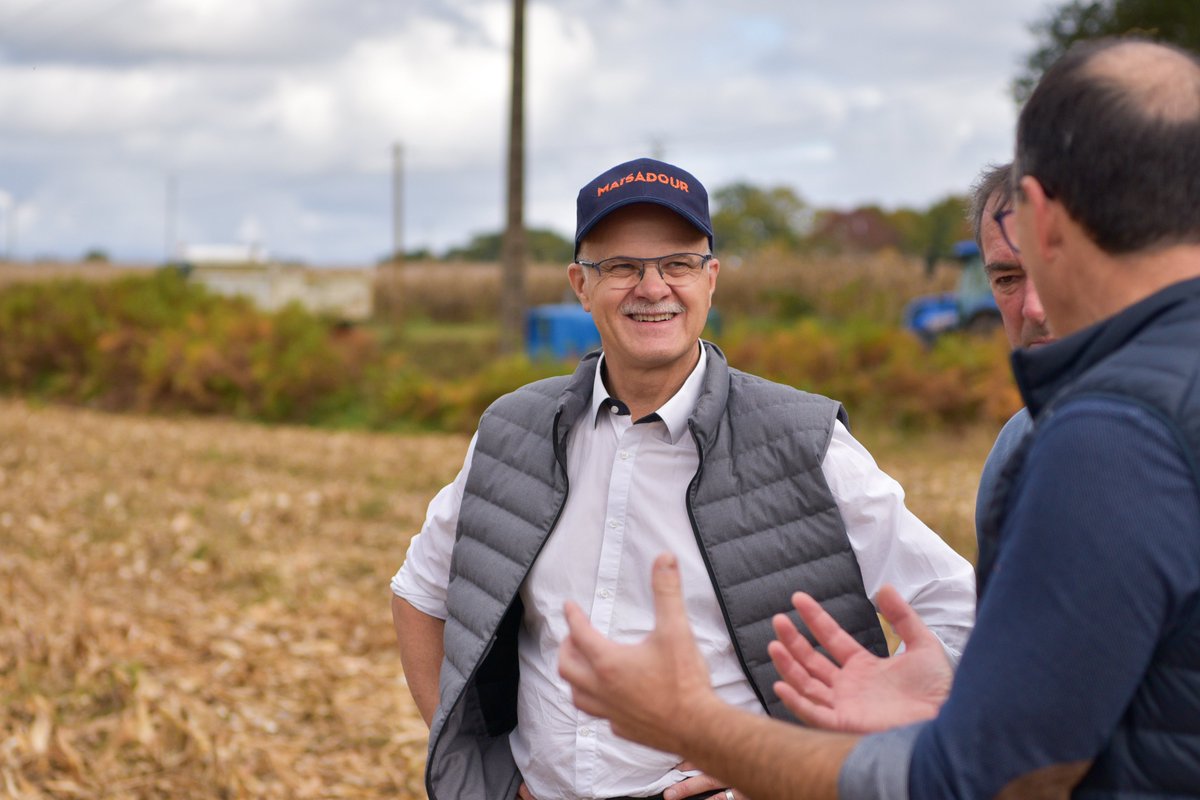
(573, 484)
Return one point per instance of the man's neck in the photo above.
(645, 390)
(1129, 279)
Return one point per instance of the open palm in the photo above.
(858, 691)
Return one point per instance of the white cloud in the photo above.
(285, 111)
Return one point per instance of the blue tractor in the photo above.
(970, 307)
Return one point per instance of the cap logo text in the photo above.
(648, 177)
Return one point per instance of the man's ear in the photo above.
(577, 275)
(1047, 220)
(714, 266)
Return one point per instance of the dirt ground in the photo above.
(199, 608)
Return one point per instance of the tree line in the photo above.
(748, 219)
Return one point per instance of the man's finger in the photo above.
(670, 613)
(588, 641)
(829, 633)
(818, 716)
(799, 677)
(572, 664)
(801, 651)
(575, 668)
(692, 786)
(900, 615)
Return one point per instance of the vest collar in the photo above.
(710, 406)
(714, 395)
(674, 413)
(1043, 372)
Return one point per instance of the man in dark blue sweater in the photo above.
(1083, 675)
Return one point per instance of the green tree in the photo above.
(910, 224)
(543, 245)
(748, 218)
(1175, 21)
(945, 224)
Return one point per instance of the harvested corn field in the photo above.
(199, 608)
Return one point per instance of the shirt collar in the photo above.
(674, 413)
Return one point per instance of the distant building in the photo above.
(244, 271)
(252, 253)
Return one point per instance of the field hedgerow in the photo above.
(160, 344)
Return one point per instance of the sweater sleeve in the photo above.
(1098, 563)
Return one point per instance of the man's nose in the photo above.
(652, 283)
(1031, 308)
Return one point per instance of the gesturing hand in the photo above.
(650, 689)
(865, 693)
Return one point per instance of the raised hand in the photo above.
(648, 690)
(858, 691)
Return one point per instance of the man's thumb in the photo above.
(669, 610)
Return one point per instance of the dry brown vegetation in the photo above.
(199, 608)
(771, 284)
(24, 271)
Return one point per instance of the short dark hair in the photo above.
(1126, 169)
(996, 179)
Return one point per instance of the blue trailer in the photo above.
(562, 331)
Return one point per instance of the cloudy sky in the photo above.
(274, 120)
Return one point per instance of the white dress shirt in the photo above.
(626, 505)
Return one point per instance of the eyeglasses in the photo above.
(1005, 219)
(625, 272)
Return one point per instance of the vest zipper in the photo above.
(737, 648)
(560, 458)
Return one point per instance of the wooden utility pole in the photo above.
(397, 202)
(170, 236)
(512, 273)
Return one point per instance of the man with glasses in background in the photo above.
(572, 485)
(1021, 311)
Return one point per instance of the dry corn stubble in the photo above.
(199, 608)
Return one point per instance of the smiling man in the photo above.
(572, 485)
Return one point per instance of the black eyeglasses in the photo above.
(1004, 219)
(625, 272)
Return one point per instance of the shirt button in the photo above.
(613, 410)
(605, 593)
(585, 732)
(612, 523)
(624, 455)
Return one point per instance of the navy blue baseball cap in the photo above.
(643, 180)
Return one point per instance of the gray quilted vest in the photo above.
(761, 512)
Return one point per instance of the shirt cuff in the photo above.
(877, 767)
